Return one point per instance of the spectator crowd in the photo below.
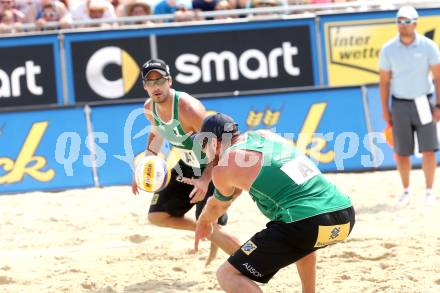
(59, 14)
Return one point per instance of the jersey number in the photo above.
(300, 169)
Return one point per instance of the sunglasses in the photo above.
(152, 82)
(49, 14)
(405, 21)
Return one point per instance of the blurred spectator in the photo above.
(265, 3)
(29, 9)
(17, 15)
(223, 5)
(94, 9)
(204, 5)
(7, 22)
(121, 8)
(184, 14)
(171, 6)
(138, 8)
(53, 11)
(238, 4)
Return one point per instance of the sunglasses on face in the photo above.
(405, 21)
(152, 82)
(49, 14)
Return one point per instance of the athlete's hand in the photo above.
(200, 188)
(134, 187)
(203, 230)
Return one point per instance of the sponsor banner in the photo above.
(104, 66)
(240, 59)
(32, 76)
(44, 150)
(126, 137)
(51, 154)
(108, 69)
(353, 44)
(317, 122)
(311, 120)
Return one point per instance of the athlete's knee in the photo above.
(158, 218)
(225, 272)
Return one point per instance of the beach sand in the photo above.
(99, 240)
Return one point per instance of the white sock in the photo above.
(428, 191)
(407, 190)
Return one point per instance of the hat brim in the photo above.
(162, 72)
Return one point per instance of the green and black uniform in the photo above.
(174, 199)
(307, 212)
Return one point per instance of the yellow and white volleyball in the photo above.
(152, 173)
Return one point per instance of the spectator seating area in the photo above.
(47, 15)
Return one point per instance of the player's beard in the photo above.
(161, 98)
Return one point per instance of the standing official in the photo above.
(405, 65)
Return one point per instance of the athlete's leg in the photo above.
(227, 242)
(232, 281)
(163, 219)
(307, 272)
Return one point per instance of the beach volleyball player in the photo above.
(177, 116)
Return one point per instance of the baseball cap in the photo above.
(407, 12)
(218, 124)
(156, 65)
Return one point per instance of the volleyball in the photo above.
(152, 173)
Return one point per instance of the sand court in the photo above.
(98, 240)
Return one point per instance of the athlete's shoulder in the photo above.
(148, 103)
(187, 100)
(191, 107)
(148, 109)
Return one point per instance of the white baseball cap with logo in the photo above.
(407, 12)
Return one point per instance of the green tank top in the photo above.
(173, 132)
(289, 187)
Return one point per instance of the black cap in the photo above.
(157, 65)
(218, 124)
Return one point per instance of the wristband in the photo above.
(437, 106)
(222, 197)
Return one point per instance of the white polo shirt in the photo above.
(410, 66)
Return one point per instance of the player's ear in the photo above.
(170, 81)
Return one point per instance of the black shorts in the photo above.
(174, 199)
(281, 244)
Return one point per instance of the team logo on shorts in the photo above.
(334, 233)
(331, 234)
(248, 247)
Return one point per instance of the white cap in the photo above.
(407, 12)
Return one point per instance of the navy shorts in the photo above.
(174, 199)
(281, 244)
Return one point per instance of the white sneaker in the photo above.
(404, 200)
(430, 199)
